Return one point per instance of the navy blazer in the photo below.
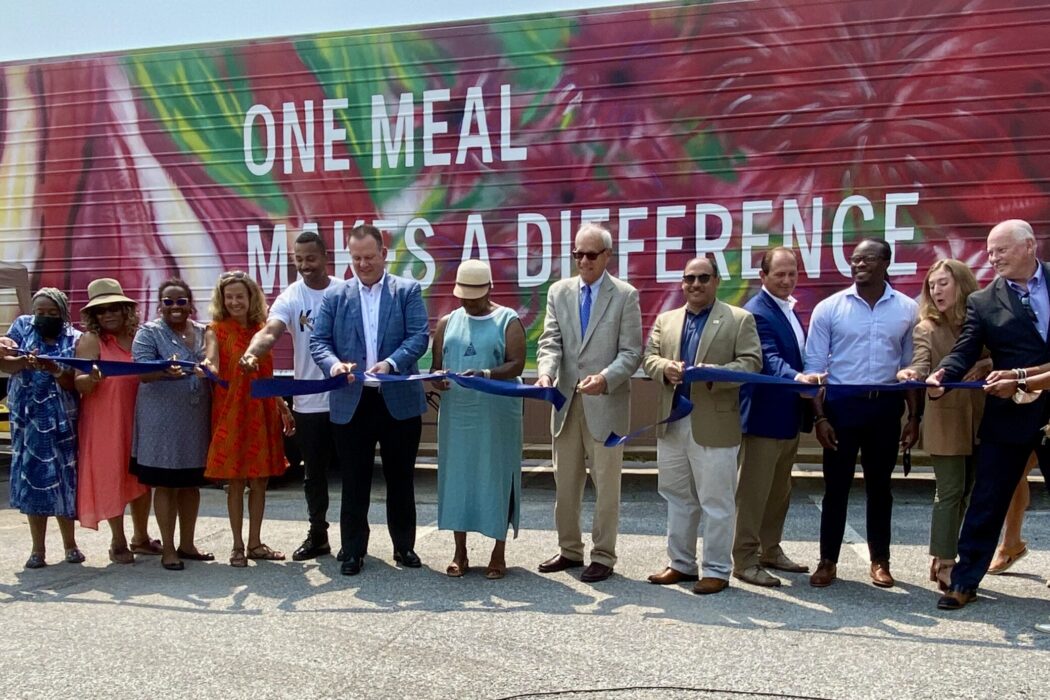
(339, 336)
(996, 319)
(765, 410)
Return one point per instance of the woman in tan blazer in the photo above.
(949, 423)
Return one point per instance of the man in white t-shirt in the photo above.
(295, 310)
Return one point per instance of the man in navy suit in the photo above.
(771, 419)
(1010, 317)
(376, 321)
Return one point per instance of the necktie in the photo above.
(585, 310)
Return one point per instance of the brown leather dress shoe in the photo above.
(956, 600)
(596, 572)
(824, 575)
(708, 585)
(558, 563)
(880, 574)
(670, 576)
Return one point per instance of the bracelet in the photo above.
(817, 420)
(487, 373)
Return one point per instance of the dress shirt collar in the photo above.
(786, 305)
(1034, 282)
(886, 293)
(594, 287)
(368, 290)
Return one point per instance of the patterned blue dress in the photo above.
(479, 435)
(43, 429)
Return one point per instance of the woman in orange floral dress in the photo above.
(246, 446)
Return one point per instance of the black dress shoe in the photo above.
(558, 563)
(341, 556)
(408, 558)
(311, 548)
(351, 566)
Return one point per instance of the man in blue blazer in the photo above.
(771, 420)
(377, 321)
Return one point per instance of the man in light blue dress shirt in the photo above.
(861, 335)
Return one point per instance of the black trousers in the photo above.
(1000, 467)
(314, 438)
(355, 447)
(870, 425)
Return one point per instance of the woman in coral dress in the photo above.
(246, 446)
(107, 414)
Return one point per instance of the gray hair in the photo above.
(1020, 229)
(597, 229)
(58, 297)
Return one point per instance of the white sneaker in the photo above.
(1042, 627)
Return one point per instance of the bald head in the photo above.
(1011, 250)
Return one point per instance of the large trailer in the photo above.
(717, 127)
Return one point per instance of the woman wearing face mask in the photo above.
(173, 402)
(107, 413)
(246, 447)
(43, 414)
(950, 423)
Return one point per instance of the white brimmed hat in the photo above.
(473, 280)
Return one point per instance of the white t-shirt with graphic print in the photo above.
(297, 308)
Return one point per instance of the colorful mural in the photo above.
(728, 128)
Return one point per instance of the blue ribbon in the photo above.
(282, 386)
(680, 408)
(120, 368)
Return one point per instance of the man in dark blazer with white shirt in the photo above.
(1010, 317)
(772, 419)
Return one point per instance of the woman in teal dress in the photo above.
(479, 435)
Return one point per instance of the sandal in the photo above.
(1008, 559)
(261, 551)
(149, 547)
(122, 555)
(237, 558)
(176, 565)
(195, 555)
(74, 556)
(456, 570)
(36, 561)
(494, 573)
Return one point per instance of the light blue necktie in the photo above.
(585, 309)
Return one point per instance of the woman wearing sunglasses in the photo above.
(107, 413)
(173, 422)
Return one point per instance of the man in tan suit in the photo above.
(697, 456)
(590, 346)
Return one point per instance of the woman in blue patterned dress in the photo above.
(43, 412)
(479, 435)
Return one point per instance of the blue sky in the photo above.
(64, 27)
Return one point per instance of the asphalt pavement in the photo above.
(276, 630)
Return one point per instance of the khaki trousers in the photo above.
(573, 447)
(762, 498)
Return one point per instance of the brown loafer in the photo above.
(782, 563)
(880, 574)
(558, 563)
(824, 575)
(669, 577)
(596, 572)
(956, 600)
(708, 585)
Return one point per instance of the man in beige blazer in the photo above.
(590, 346)
(697, 456)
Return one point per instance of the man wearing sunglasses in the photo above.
(697, 455)
(295, 310)
(590, 346)
(861, 335)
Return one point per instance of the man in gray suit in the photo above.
(590, 346)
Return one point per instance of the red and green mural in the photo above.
(725, 128)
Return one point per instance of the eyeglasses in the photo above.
(1026, 302)
(181, 301)
(590, 255)
(867, 259)
(109, 309)
(693, 279)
